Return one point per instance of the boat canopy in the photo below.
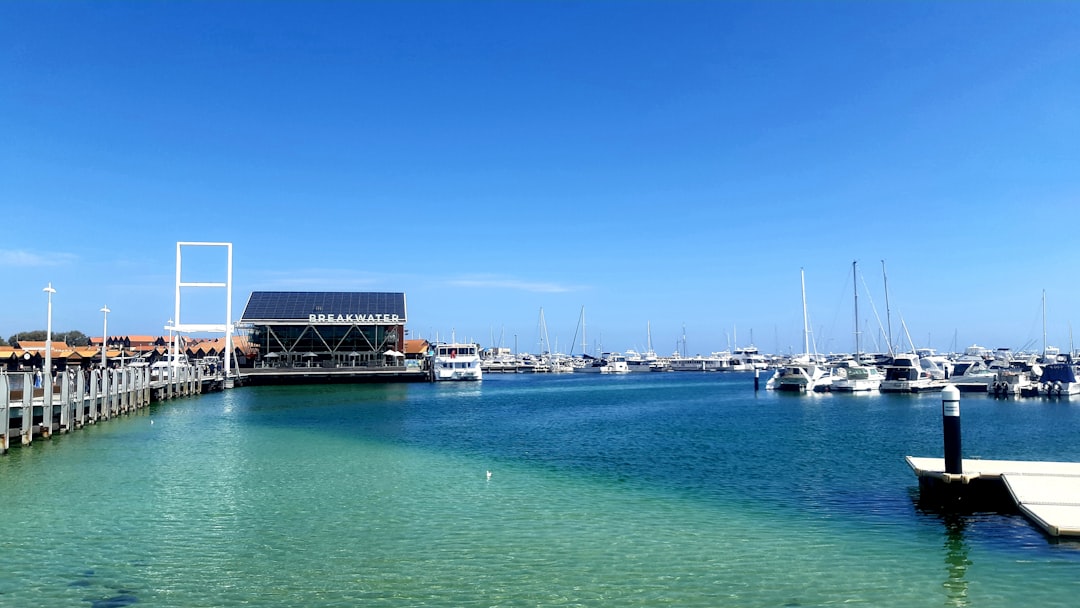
(1058, 372)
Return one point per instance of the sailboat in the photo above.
(550, 360)
(647, 361)
(858, 377)
(802, 374)
(1056, 377)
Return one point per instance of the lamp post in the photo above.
(105, 336)
(48, 335)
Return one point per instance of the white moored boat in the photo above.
(456, 362)
(909, 373)
(803, 373)
(1058, 380)
(857, 377)
(609, 363)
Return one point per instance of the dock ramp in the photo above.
(1051, 501)
(1048, 493)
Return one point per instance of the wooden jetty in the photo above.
(76, 399)
(1048, 493)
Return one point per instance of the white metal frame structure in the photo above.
(227, 328)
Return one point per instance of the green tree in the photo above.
(75, 338)
(71, 338)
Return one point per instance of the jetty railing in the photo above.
(75, 398)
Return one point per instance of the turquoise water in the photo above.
(644, 490)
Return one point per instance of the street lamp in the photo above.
(48, 334)
(169, 350)
(105, 335)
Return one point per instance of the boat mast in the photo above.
(888, 311)
(805, 319)
(908, 334)
(1044, 323)
(545, 343)
(855, 285)
(584, 342)
(648, 336)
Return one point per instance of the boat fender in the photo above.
(1057, 387)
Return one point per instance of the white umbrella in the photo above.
(393, 353)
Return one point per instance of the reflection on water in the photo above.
(956, 562)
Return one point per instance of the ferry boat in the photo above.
(677, 363)
(748, 358)
(647, 362)
(456, 361)
(715, 362)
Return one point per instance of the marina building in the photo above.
(305, 329)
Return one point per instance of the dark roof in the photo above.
(298, 306)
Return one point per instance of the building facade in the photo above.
(325, 329)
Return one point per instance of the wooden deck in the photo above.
(1048, 493)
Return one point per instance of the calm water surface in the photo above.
(653, 489)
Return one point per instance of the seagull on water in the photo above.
(489, 475)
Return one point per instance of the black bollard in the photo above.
(950, 420)
(757, 372)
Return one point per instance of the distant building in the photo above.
(39, 345)
(131, 342)
(416, 349)
(199, 348)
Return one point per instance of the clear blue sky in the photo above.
(672, 163)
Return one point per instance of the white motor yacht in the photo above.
(609, 363)
(859, 378)
(801, 374)
(909, 373)
(457, 362)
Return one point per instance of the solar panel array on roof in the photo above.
(300, 305)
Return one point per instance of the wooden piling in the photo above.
(5, 398)
(47, 406)
(95, 390)
(65, 403)
(26, 434)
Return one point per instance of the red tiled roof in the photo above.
(40, 345)
(141, 339)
